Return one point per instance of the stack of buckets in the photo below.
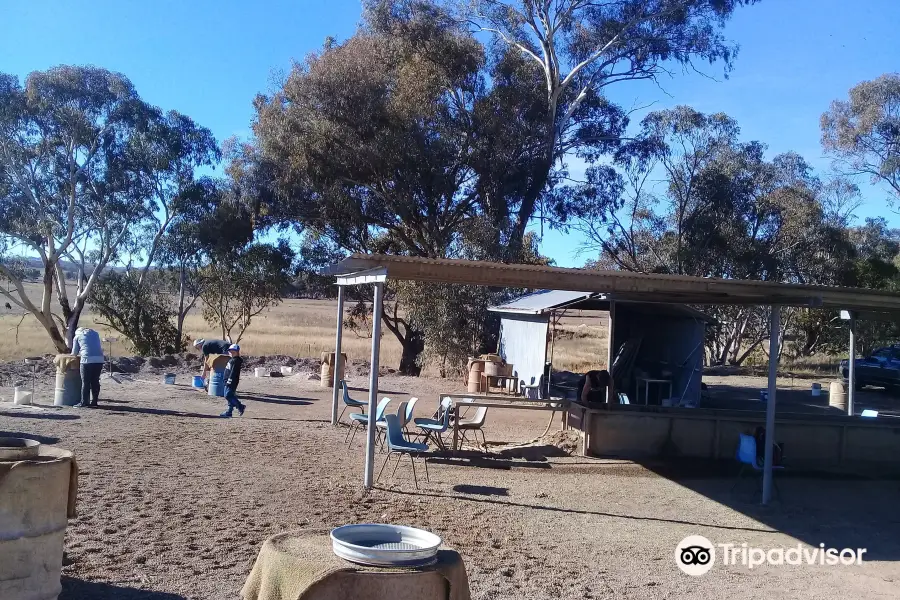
(328, 366)
(217, 364)
(489, 364)
(476, 368)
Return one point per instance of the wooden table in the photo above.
(503, 402)
(497, 379)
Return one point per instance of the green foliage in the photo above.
(90, 173)
(140, 311)
(863, 132)
(242, 283)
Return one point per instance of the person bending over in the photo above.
(208, 347)
(596, 387)
(88, 346)
(232, 379)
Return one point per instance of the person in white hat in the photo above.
(232, 379)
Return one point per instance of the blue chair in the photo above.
(360, 421)
(382, 425)
(410, 406)
(397, 444)
(350, 402)
(434, 428)
(746, 455)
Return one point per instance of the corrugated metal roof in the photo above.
(546, 301)
(542, 302)
(639, 287)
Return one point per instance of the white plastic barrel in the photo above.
(22, 396)
(259, 372)
(68, 380)
(36, 499)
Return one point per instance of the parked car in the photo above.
(881, 368)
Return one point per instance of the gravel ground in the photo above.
(175, 502)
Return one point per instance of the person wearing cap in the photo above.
(208, 347)
(232, 379)
(87, 345)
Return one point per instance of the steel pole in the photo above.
(851, 374)
(373, 384)
(774, 333)
(336, 392)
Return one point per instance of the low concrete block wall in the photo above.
(831, 443)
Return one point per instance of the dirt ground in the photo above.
(175, 502)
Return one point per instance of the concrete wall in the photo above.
(830, 443)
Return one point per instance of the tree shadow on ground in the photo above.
(153, 411)
(481, 490)
(276, 399)
(30, 436)
(573, 511)
(480, 460)
(841, 511)
(22, 414)
(77, 589)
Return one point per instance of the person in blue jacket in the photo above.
(88, 346)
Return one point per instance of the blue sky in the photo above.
(208, 59)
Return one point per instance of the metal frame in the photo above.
(361, 269)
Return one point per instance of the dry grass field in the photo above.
(303, 328)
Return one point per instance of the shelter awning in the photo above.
(548, 301)
(621, 285)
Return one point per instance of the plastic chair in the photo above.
(397, 444)
(382, 425)
(350, 402)
(475, 425)
(408, 417)
(360, 421)
(531, 391)
(746, 455)
(434, 428)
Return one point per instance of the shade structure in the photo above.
(360, 269)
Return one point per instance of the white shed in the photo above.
(658, 345)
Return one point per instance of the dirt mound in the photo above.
(567, 441)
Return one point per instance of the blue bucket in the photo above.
(198, 381)
(169, 379)
(217, 383)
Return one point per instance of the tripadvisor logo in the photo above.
(696, 555)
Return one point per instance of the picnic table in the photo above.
(503, 403)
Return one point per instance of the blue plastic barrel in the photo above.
(169, 379)
(198, 381)
(217, 383)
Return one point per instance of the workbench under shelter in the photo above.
(657, 348)
(376, 270)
